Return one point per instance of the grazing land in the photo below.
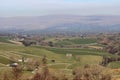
(74, 53)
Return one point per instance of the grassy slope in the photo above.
(75, 41)
(79, 51)
(87, 56)
(114, 65)
(6, 47)
(51, 53)
(4, 60)
(4, 39)
(86, 59)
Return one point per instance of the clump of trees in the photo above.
(17, 72)
(32, 64)
(91, 73)
(106, 60)
(44, 75)
(50, 43)
(28, 43)
(113, 48)
(111, 42)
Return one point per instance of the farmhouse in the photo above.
(14, 65)
(68, 55)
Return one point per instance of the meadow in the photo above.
(76, 41)
(80, 56)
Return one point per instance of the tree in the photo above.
(44, 60)
(92, 73)
(50, 43)
(26, 43)
(17, 72)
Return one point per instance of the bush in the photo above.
(17, 72)
(91, 73)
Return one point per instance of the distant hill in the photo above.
(78, 27)
(60, 23)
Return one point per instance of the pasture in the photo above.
(75, 41)
(80, 57)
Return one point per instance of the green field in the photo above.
(75, 41)
(114, 65)
(78, 51)
(4, 60)
(57, 54)
(28, 50)
(4, 39)
(80, 56)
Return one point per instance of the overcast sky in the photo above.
(54, 7)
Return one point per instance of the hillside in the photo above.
(58, 59)
(60, 23)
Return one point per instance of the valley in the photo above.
(60, 54)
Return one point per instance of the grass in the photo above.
(4, 39)
(30, 51)
(86, 59)
(87, 56)
(75, 41)
(42, 52)
(58, 66)
(114, 65)
(4, 60)
(62, 63)
(2, 65)
(78, 51)
(57, 54)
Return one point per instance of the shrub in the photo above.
(17, 72)
(91, 73)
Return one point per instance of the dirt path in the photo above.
(95, 47)
(16, 42)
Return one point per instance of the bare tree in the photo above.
(17, 72)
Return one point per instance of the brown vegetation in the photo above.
(91, 73)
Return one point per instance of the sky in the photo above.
(10, 8)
